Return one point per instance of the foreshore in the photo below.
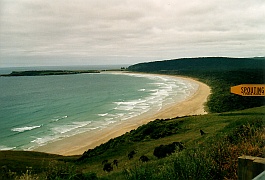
(78, 144)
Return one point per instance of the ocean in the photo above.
(36, 110)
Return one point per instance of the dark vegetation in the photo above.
(191, 147)
(49, 72)
(166, 150)
(201, 64)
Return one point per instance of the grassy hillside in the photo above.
(226, 138)
(209, 156)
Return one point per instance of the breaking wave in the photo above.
(26, 128)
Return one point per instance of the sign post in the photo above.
(249, 89)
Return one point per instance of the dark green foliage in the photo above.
(111, 144)
(131, 154)
(180, 166)
(66, 171)
(197, 64)
(54, 171)
(58, 171)
(115, 162)
(245, 131)
(6, 173)
(90, 176)
(21, 161)
(49, 72)
(221, 100)
(165, 150)
(155, 130)
(144, 159)
(108, 167)
(139, 173)
(192, 164)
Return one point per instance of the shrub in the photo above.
(108, 167)
(165, 150)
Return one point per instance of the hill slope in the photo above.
(200, 64)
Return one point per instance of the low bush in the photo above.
(165, 150)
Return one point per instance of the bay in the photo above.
(37, 110)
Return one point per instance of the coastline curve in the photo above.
(78, 144)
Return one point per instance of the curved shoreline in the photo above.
(78, 144)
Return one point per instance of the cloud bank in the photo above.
(65, 32)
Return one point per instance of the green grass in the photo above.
(36, 162)
(213, 156)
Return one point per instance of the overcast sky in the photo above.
(90, 32)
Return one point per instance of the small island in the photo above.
(49, 72)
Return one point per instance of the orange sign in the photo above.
(249, 89)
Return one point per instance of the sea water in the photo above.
(36, 110)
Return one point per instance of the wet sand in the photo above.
(78, 144)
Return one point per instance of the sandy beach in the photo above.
(78, 144)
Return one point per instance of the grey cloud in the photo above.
(129, 31)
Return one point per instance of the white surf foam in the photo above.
(43, 140)
(69, 127)
(102, 115)
(5, 148)
(166, 90)
(26, 128)
(62, 131)
(59, 118)
(141, 90)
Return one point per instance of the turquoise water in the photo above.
(37, 110)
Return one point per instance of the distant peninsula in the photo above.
(49, 72)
